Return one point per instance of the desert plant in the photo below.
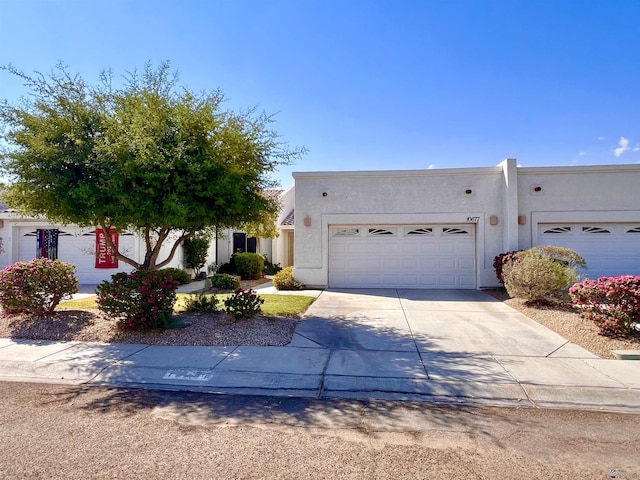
(284, 280)
(223, 281)
(181, 276)
(561, 254)
(140, 300)
(500, 260)
(244, 304)
(536, 276)
(612, 303)
(250, 266)
(202, 304)
(37, 286)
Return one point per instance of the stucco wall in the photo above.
(608, 193)
(399, 197)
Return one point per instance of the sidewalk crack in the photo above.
(413, 338)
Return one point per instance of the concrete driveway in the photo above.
(430, 321)
(454, 344)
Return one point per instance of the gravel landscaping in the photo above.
(199, 329)
(91, 325)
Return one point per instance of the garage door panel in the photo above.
(429, 263)
(466, 263)
(447, 248)
(448, 281)
(392, 257)
(429, 281)
(446, 263)
(468, 281)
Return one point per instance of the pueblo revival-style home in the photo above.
(443, 228)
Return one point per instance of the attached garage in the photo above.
(610, 249)
(78, 247)
(402, 256)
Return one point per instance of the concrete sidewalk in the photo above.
(434, 346)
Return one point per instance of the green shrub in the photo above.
(250, 266)
(36, 287)
(140, 300)
(612, 303)
(201, 303)
(244, 304)
(223, 281)
(284, 280)
(181, 276)
(535, 276)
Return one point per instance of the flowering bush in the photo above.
(612, 303)
(244, 304)
(500, 260)
(36, 287)
(141, 300)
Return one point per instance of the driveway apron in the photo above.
(445, 343)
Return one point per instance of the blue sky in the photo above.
(370, 85)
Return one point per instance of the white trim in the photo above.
(402, 173)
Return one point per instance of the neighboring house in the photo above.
(278, 250)
(26, 238)
(443, 228)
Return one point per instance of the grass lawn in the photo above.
(275, 305)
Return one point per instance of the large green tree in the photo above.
(146, 155)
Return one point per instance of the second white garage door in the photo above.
(402, 256)
(610, 249)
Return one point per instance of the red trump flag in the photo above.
(105, 255)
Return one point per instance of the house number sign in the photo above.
(473, 219)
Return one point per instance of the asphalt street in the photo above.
(65, 431)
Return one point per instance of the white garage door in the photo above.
(407, 256)
(610, 249)
(77, 247)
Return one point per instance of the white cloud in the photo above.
(431, 167)
(601, 138)
(636, 148)
(624, 146)
(582, 154)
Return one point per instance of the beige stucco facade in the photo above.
(505, 204)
